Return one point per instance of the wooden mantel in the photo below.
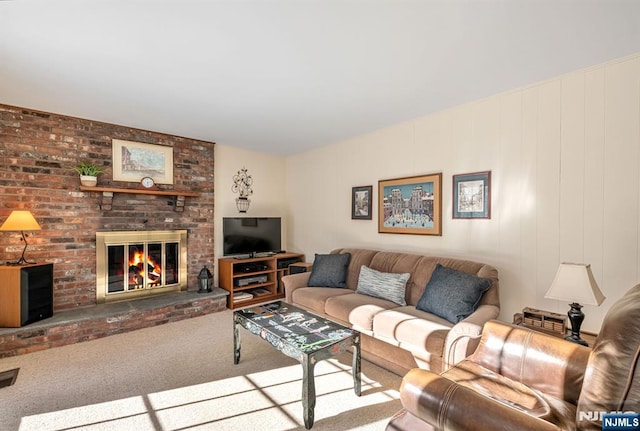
(107, 195)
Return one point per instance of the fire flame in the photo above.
(137, 266)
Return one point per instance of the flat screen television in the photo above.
(251, 235)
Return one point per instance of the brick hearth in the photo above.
(89, 323)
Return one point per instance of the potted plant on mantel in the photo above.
(89, 172)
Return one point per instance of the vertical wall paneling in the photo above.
(572, 169)
(547, 186)
(485, 155)
(621, 169)
(433, 138)
(463, 152)
(463, 143)
(509, 209)
(528, 259)
(594, 182)
(485, 138)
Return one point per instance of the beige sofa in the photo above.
(400, 337)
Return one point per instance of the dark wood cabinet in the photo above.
(26, 294)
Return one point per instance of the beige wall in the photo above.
(565, 162)
(268, 199)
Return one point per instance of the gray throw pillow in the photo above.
(385, 285)
(452, 294)
(329, 270)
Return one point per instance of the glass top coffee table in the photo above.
(303, 336)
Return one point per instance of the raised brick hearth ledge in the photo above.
(90, 323)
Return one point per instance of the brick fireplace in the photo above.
(37, 153)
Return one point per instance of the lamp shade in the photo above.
(20, 220)
(574, 282)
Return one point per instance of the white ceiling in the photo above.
(283, 76)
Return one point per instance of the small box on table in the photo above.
(553, 323)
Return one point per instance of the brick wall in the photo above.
(37, 153)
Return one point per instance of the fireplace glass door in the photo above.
(144, 265)
(136, 264)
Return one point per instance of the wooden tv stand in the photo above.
(259, 277)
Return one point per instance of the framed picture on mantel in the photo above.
(133, 161)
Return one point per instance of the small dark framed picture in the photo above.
(361, 202)
(472, 195)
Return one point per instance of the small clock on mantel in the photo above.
(147, 183)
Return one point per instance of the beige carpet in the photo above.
(181, 376)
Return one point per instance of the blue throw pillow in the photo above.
(452, 294)
(329, 270)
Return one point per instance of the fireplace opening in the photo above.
(131, 264)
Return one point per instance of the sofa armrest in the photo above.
(293, 282)
(444, 404)
(463, 339)
(542, 362)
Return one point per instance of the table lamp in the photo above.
(574, 283)
(20, 221)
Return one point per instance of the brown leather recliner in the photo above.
(519, 379)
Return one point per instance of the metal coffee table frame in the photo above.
(303, 336)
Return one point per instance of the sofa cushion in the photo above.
(329, 270)
(359, 310)
(384, 285)
(500, 388)
(452, 294)
(412, 329)
(314, 298)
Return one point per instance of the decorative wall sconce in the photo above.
(242, 182)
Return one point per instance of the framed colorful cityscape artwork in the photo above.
(411, 205)
(472, 195)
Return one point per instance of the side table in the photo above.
(589, 337)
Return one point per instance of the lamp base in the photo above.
(576, 316)
(575, 338)
(22, 260)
